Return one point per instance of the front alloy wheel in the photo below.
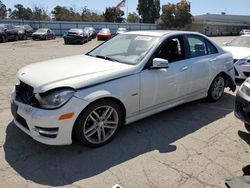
(216, 89)
(99, 123)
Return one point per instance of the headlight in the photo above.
(243, 61)
(245, 87)
(55, 98)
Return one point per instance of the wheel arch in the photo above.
(117, 101)
(228, 81)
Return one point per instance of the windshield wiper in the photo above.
(106, 58)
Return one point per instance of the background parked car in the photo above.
(92, 32)
(245, 32)
(8, 32)
(240, 48)
(242, 104)
(24, 31)
(104, 34)
(76, 36)
(43, 34)
(88, 32)
(121, 30)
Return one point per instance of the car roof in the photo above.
(159, 33)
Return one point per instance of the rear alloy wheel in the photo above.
(99, 123)
(216, 89)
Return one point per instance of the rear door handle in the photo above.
(184, 68)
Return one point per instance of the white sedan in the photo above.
(132, 76)
(240, 48)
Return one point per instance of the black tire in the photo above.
(46, 37)
(84, 118)
(16, 38)
(211, 96)
(24, 37)
(247, 126)
(3, 39)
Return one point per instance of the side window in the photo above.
(172, 49)
(211, 49)
(196, 46)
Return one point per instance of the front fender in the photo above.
(91, 96)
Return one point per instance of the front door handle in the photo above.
(213, 59)
(184, 68)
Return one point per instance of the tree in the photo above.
(168, 15)
(3, 10)
(133, 18)
(39, 13)
(176, 15)
(90, 16)
(182, 14)
(64, 14)
(113, 14)
(20, 12)
(149, 10)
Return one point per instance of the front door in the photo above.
(160, 86)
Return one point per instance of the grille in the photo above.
(235, 60)
(247, 74)
(24, 94)
(73, 34)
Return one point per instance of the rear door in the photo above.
(201, 54)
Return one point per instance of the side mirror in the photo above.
(225, 43)
(159, 63)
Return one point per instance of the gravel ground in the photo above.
(198, 144)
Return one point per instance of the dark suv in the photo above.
(24, 31)
(75, 36)
(8, 32)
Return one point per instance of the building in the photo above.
(220, 24)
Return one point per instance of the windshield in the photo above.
(76, 31)
(242, 41)
(127, 48)
(105, 31)
(42, 30)
(122, 29)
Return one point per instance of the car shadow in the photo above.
(64, 165)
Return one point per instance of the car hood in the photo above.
(238, 52)
(39, 33)
(75, 72)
